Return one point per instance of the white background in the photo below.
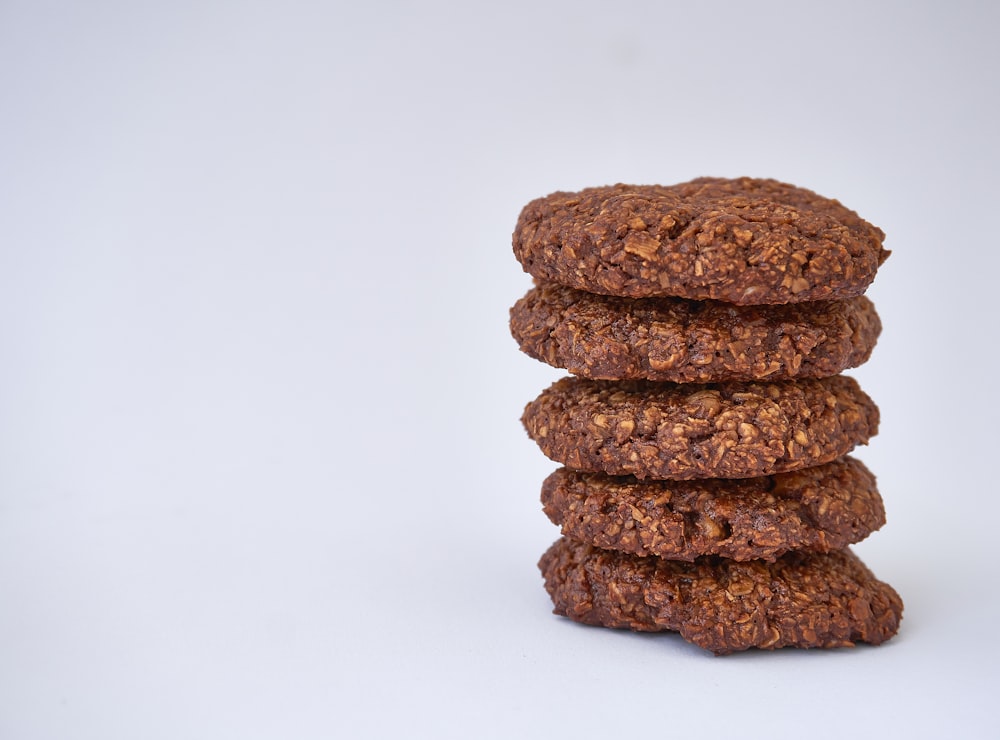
(261, 471)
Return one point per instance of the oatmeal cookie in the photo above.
(822, 508)
(684, 431)
(744, 240)
(800, 600)
(684, 341)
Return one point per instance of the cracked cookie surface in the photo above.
(684, 341)
(745, 241)
(800, 600)
(822, 508)
(685, 431)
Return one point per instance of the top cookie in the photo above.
(745, 241)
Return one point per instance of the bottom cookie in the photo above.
(800, 600)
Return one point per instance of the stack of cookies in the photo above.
(705, 433)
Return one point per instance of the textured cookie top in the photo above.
(685, 431)
(745, 241)
(800, 600)
(821, 508)
(685, 341)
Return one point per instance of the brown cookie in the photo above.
(800, 600)
(819, 509)
(684, 431)
(744, 241)
(606, 337)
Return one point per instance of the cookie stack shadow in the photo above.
(704, 432)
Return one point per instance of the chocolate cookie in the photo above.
(684, 341)
(820, 509)
(800, 600)
(744, 241)
(684, 431)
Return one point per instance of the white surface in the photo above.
(261, 473)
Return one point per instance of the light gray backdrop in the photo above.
(261, 471)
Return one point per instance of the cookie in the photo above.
(606, 337)
(745, 241)
(818, 509)
(800, 600)
(684, 431)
